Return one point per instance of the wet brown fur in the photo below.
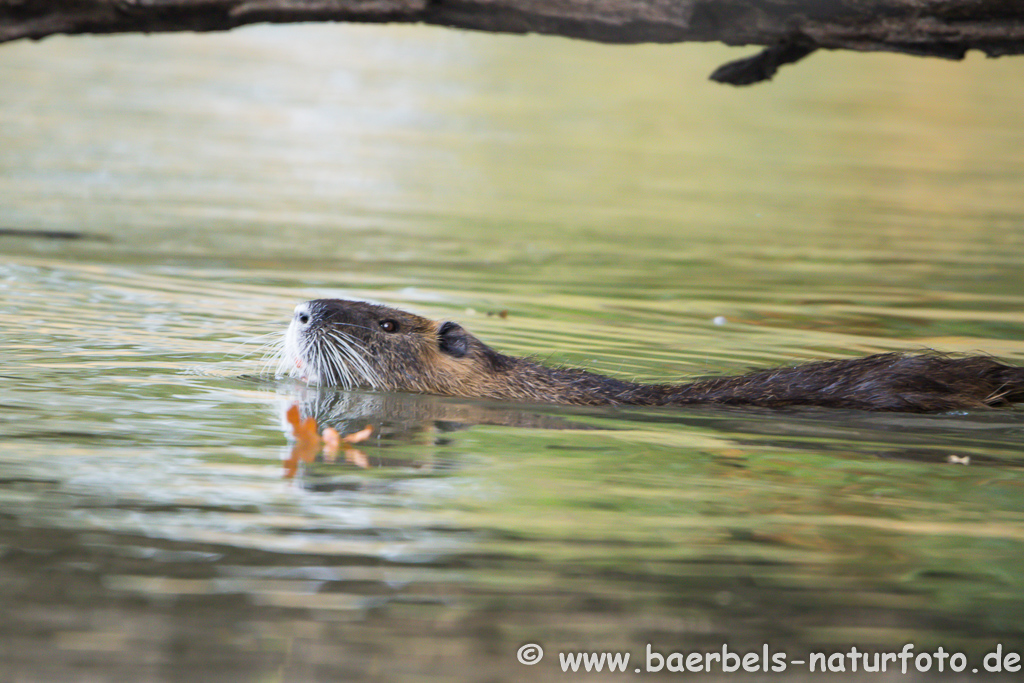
(425, 356)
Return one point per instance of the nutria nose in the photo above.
(302, 313)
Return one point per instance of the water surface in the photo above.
(612, 203)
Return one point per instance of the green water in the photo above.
(609, 200)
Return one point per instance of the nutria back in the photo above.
(353, 344)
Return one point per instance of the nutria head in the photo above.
(353, 344)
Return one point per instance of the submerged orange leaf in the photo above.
(357, 458)
(332, 442)
(360, 436)
(308, 442)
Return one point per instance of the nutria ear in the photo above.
(453, 340)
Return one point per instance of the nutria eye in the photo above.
(303, 318)
(389, 325)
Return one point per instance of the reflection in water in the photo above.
(613, 205)
(310, 442)
(327, 427)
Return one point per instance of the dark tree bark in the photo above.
(790, 29)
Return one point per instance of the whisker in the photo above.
(262, 345)
(359, 327)
(327, 354)
(337, 369)
(343, 356)
(346, 349)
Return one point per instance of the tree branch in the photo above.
(790, 29)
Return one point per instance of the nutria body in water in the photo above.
(353, 344)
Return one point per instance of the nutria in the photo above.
(353, 344)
